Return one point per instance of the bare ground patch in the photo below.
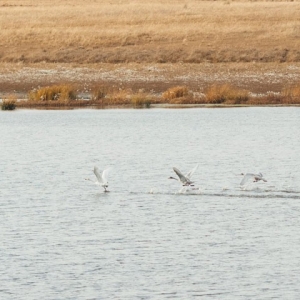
(256, 77)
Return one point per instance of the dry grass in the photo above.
(175, 92)
(270, 98)
(225, 94)
(180, 95)
(159, 43)
(99, 92)
(93, 31)
(118, 97)
(291, 94)
(9, 103)
(126, 97)
(47, 97)
(217, 94)
(58, 104)
(140, 100)
(53, 93)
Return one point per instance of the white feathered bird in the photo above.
(101, 178)
(184, 179)
(253, 177)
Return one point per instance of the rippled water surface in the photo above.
(63, 238)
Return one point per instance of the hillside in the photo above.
(183, 38)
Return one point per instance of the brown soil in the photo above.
(155, 78)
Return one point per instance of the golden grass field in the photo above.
(92, 31)
(171, 41)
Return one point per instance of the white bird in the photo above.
(184, 179)
(101, 178)
(254, 177)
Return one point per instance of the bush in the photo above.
(9, 103)
(53, 93)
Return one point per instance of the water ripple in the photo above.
(63, 238)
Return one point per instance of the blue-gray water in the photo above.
(63, 238)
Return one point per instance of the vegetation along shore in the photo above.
(135, 53)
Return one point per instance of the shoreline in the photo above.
(156, 106)
(264, 82)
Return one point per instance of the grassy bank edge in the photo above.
(216, 95)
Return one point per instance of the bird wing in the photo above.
(98, 174)
(246, 178)
(190, 173)
(262, 177)
(105, 175)
(180, 175)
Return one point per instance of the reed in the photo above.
(9, 103)
(140, 100)
(101, 96)
(53, 93)
(225, 93)
(58, 104)
(99, 92)
(228, 94)
(119, 96)
(175, 92)
(291, 94)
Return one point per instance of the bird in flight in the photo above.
(253, 177)
(184, 179)
(101, 178)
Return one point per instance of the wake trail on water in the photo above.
(255, 193)
(270, 192)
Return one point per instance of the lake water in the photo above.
(63, 238)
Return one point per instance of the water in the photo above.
(63, 238)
